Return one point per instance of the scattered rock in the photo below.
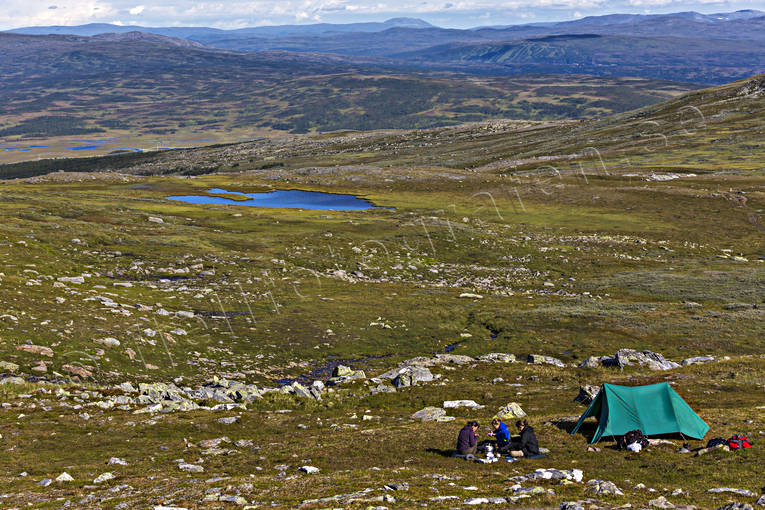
(429, 414)
(410, 376)
(574, 475)
(653, 360)
(538, 359)
(117, 461)
(7, 366)
(511, 410)
(497, 357)
(77, 370)
(64, 477)
(470, 295)
(190, 468)
(45, 482)
(154, 219)
(456, 359)
(587, 394)
(697, 360)
(736, 506)
(591, 362)
(40, 367)
(12, 380)
(311, 470)
(104, 477)
(661, 502)
(343, 374)
(71, 279)
(451, 404)
(228, 420)
(36, 349)
(109, 342)
(740, 492)
(604, 488)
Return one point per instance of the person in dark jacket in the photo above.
(528, 442)
(467, 441)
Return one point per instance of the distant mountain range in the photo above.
(203, 33)
(685, 46)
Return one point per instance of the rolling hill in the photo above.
(706, 131)
(146, 87)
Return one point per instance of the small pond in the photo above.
(292, 199)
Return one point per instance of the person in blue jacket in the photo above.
(500, 433)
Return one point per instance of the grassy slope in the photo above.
(628, 254)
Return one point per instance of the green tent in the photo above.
(654, 409)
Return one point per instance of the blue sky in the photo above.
(241, 13)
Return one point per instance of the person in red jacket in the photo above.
(467, 441)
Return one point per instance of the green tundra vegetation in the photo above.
(565, 239)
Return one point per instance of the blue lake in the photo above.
(291, 199)
(85, 148)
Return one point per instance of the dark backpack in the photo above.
(633, 436)
(716, 441)
(738, 442)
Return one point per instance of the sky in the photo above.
(232, 14)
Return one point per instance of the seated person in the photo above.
(502, 435)
(527, 446)
(467, 441)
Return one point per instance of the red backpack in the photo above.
(738, 442)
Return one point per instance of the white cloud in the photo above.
(240, 13)
(20, 13)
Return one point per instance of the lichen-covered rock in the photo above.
(497, 357)
(343, 374)
(382, 388)
(191, 468)
(36, 349)
(604, 488)
(574, 475)
(587, 394)
(741, 492)
(342, 371)
(12, 380)
(456, 359)
(572, 505)
(538, 359)
(697, 360)
(7, 366)
(104, 477)
(429, 414)
(652, 360)
(450, 404)
(77, 370)
(591, 362)
(511, 410)
(736, 506)
(157, 393)
(64, 477)
(108, 341)
(661, 502)
(410, 376)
